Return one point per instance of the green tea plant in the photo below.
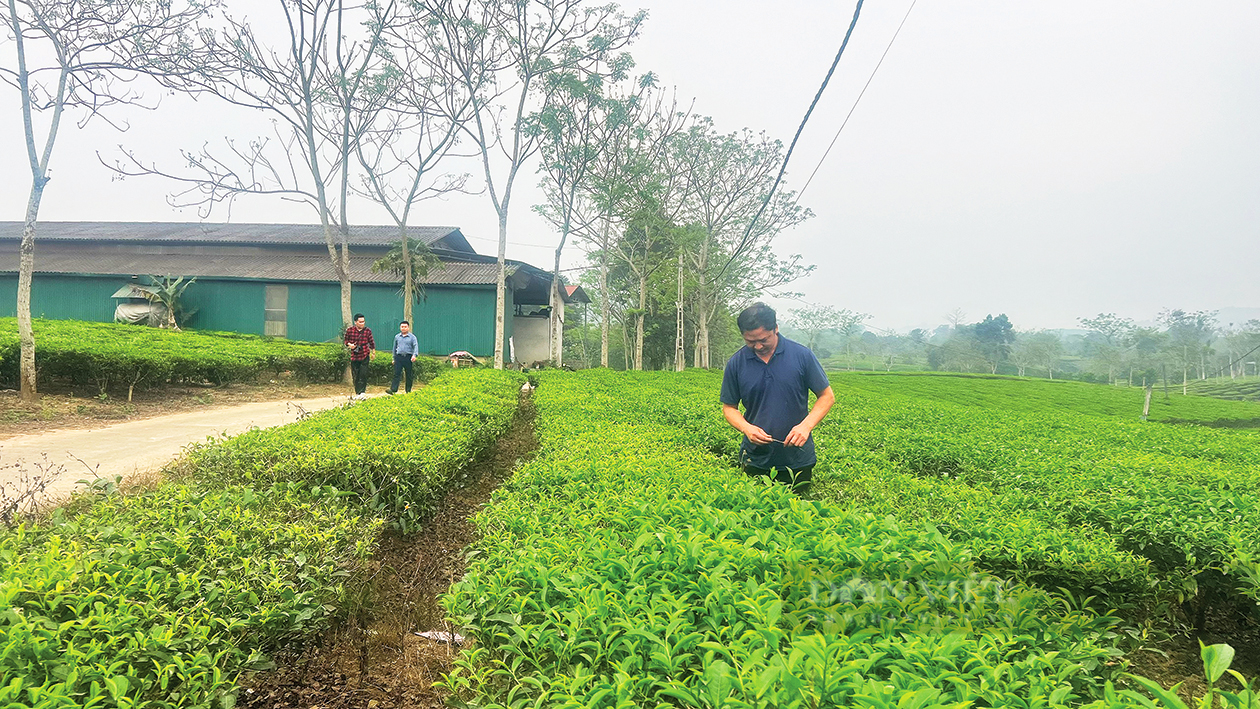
(628, 565)
(1136, 514)
(122, 358)
(161, 599)
(393, 454)
(1041, 395)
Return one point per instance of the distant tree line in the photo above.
(1180, 347)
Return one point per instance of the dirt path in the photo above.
(376, 660)
(132, 448)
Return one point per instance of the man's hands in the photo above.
(798, 435)
(757, 435)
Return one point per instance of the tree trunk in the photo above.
(703, 307)
(408, 297)
(625, 346)
(557, 304)
(26, 271)
(500, 292)
(605, 310)
(680, 356)
(346, 312)
(702, 336)
(638, 324)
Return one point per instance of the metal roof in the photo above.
(277, 267)
(205, 233)
(575, 294)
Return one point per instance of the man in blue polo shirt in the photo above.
(773, 376)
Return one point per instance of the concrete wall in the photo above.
(529, 339)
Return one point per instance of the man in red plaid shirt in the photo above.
(359, 341)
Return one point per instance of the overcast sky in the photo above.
(1045, 160)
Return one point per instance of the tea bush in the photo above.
(161, 599)
(115, 358)
(628, 565)
(393, 454)
(1042, 395)
(1137, 513)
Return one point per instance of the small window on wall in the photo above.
(276, 313)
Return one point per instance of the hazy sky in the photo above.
(1046, 160)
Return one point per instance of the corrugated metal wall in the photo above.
(229, 306)
(65, 297)
(451, 318)
(315, 311)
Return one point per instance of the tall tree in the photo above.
(1189, 333)
(814, 320)
(993, 338)
(1045, 350)
(413, 134)
(322, 87)
(82, 56)
(1106, 341)
(608, 204)
(573, 126)
(731, 177)
(850, 325)
(504, 51)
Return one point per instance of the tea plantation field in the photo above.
(945, 562)
(970, 542)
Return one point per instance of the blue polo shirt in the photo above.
(776, 398)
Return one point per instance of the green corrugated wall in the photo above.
(450, 318)
(228, 306)
(65, 297)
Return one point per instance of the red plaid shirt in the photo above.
(362, 341)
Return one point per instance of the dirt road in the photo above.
(135, 447)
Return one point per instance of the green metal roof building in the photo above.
(277, 279)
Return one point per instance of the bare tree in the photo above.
(323, 87)
(503, 51)
(83, 56)
(570, 152)
(730, 180)
(813, 320)
(414, 132)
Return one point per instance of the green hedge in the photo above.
(162, 599)
(116, 358)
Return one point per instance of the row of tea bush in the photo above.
(162, 598)
(118, 359)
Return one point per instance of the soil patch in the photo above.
(1176, 660)
(375, 660)
(65, 408)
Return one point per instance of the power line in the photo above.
(743, 242)
(856, 101)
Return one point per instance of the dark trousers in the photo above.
(359, 369)
(402, 363)
(800, 479)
